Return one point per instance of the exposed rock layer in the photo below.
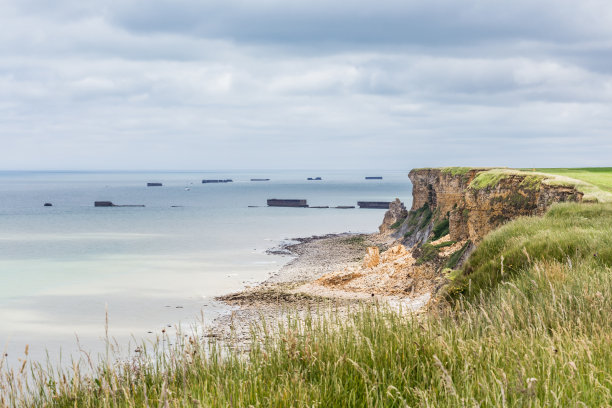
(473, 212)
(397, 212)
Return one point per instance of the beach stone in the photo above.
(394, 253)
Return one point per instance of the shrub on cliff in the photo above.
(440, 229)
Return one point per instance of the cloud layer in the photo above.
(137, 84)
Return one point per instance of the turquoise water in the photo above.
(61, 267)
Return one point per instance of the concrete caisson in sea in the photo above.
(260, 179)
(207, 181)
(110, 204)
(274, 202)
(374, 204)
(154, 184)
(373, 178)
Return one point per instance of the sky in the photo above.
(304, 84)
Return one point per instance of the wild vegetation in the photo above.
(440, 229)
(397, 223)
(571, 233)
(532, 330)
(418, 219)
(598, 176)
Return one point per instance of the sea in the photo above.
(73, 275)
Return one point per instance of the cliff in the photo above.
(468, 202)
(396, 214)
(453, 208)
(423, 250)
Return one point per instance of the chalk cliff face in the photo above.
(475, 201)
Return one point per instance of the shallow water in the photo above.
(61, 267)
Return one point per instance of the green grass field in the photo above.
(531, 330)
(598, 176)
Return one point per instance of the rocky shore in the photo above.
(302, 285)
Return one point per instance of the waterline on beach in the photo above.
(156, 266)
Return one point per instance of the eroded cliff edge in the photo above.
(417, 252)
(468, 203)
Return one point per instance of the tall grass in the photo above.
(575, 233)
(540, 337)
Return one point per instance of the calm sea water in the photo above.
(157, 266)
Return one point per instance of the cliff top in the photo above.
(594, 183)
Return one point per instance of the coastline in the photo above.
(294, 290)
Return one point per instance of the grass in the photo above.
(425, 215)
(357, 240)
(598, 176)
(452, 260)
(397, 223)
(417, 219)
(445, 244)
(594, 183)
(539, 336)
(574, 233)
(456, 171)
(491, 178)
(440, 229)
(428, 253)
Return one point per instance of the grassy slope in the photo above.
(570, 233)
(598, 176)
(540, 338)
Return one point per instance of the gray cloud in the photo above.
(186, 84)
(358, 21)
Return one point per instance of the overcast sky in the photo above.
(232, 84)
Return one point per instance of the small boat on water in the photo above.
(260, 179)
(314, 178)
(373, 178)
